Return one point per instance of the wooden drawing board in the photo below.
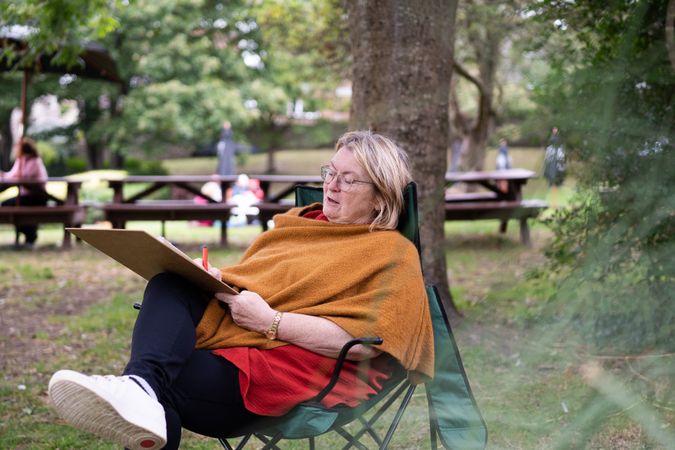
(147, 255)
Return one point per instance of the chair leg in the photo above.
(375, 417)
(397, 418)
(226, 445)
(270, 443)
(352, 441)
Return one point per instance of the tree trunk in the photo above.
(400, 84)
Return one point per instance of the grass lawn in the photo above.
(536, 385)
(73, 309)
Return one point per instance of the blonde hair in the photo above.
(387, 166)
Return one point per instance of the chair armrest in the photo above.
(341, 360)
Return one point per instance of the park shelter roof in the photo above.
(93, 62)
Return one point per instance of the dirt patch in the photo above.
(40, 286)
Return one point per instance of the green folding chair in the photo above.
(454, 417)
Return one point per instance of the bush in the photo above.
(74, 164)
(143, 167)
(618, 244)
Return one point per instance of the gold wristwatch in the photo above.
(271, 333)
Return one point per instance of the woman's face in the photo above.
(348, 204)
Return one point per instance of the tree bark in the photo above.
(400, 87)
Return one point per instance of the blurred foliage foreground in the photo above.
(616, 245)
(614, 95)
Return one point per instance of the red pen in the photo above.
(205, 257)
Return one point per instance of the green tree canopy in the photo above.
(190, 65)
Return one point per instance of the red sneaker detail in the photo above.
(147, 443)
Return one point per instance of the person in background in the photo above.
(554, 164)
(503, 162)
(226, 148)
(28, 166)
(244, 198)
(221, 365)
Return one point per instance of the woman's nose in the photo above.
(334, 184)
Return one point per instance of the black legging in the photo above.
(199, 390)
(32, 199)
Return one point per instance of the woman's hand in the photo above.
(212, 270)
(249, 310)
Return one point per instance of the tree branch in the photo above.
(465, 73)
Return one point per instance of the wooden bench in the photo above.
(162, 210)
(470, 196)
(65, 210)
(500, 210)
(68, 215)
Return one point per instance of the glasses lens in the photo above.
(344, 183)
(326, 174)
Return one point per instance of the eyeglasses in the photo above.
(344, 182)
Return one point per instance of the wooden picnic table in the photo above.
(489, 179)
(65, 210)
(493, 201)
(139, 207)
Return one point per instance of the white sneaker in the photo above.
(114, 408)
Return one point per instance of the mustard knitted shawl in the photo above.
(368, 282)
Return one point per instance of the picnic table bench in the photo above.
(66, 211)
(493, 202)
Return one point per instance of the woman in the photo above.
(28, 166)
(326, 273)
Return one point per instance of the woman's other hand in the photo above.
(249, 310)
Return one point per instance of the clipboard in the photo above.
(147, 255)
